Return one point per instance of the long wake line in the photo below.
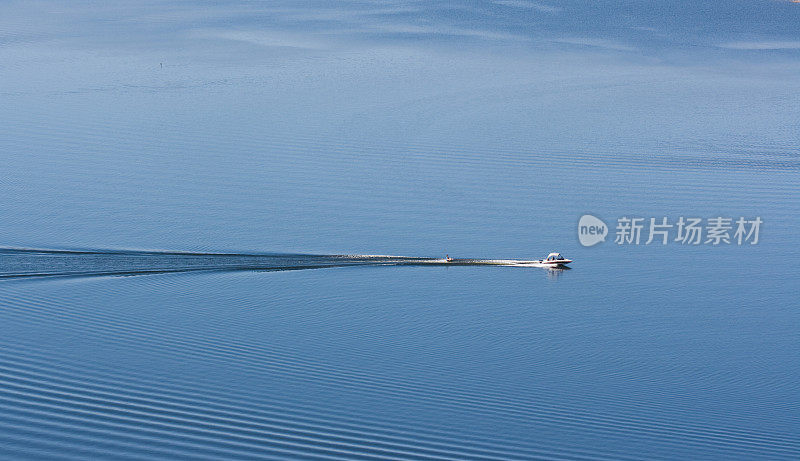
(25, 263)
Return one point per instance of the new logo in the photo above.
(591, 230)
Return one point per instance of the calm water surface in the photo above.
(282, 134)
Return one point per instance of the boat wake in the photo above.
(25, 263)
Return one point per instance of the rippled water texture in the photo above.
(167, 169)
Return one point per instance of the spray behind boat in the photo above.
(553, 260)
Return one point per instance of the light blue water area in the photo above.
(285, 134)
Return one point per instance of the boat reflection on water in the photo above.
(553, 273)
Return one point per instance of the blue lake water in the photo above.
(266, 139)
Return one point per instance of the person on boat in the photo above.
(448, 258)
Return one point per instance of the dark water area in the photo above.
(200, 201)
(374, 358)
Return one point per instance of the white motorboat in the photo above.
(555, 260)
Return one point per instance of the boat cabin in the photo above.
(555, 257)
